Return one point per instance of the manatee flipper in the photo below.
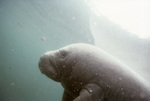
(90, 92)
(67, 96)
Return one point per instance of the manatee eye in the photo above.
(63, 54)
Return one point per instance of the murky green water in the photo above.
(28, 28)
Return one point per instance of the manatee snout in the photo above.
(46, 67)
(44, 63)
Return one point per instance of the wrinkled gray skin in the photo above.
(88, 73)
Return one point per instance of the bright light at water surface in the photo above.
(132, 15)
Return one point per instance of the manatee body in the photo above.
(88, 73)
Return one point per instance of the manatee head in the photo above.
(57, 64)
(48, 66)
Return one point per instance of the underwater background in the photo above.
(29, 28)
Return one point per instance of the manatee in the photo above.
(88, 73)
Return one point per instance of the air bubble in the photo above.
(120, 78)
(91, 91)
(121, 88)
(73, 18)
(12, 83)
